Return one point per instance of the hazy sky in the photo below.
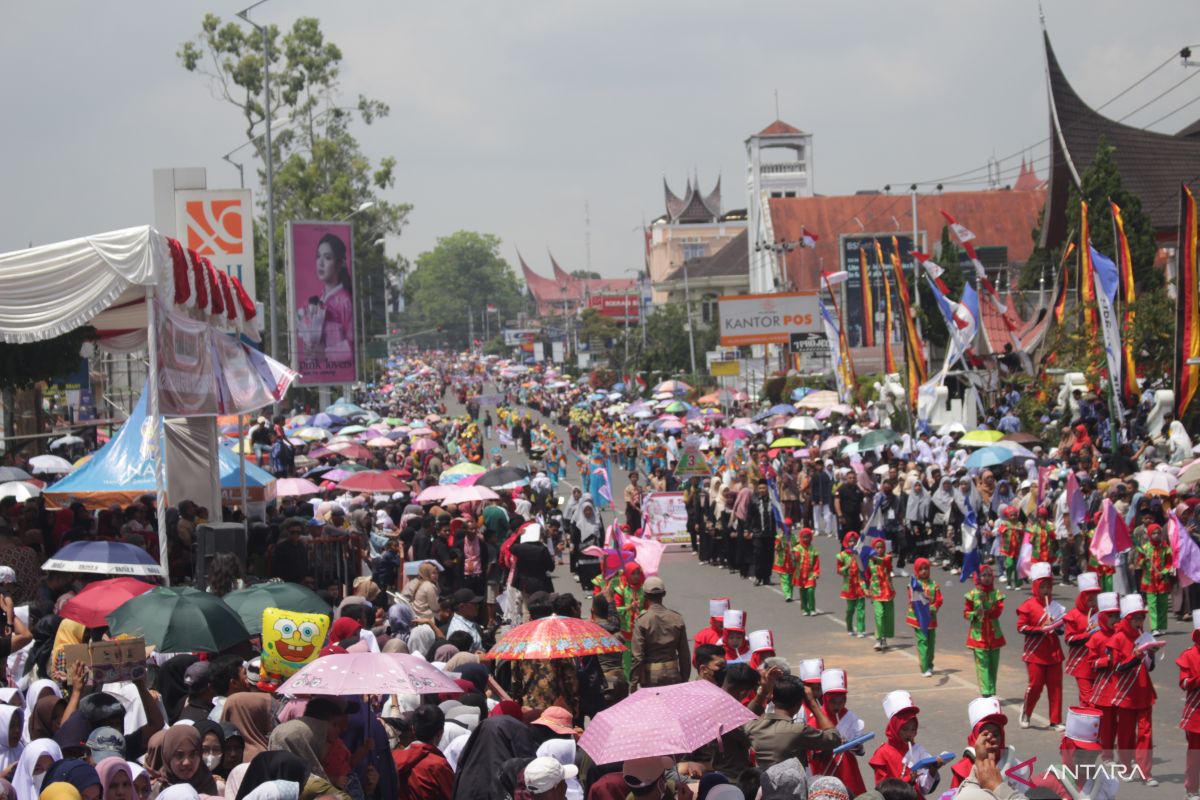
(507, 117)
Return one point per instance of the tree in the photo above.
(22, 365)
(321, 172)
(929, 318)
(667, 347)
(455, 281)
(585, 274)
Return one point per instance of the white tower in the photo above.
(778, 164)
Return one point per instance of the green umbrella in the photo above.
(181, 620)
(250, 602)
(877, 439)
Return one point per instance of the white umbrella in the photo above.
(1018, 450)
(802, 424)
(951, 427)
(53, 465)
(1152, 481)
(13, 474)
(65, 441)
(20, 490)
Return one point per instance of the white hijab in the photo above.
(563, 751)
(31, 697)
(8, 755)
(22, 780)
(275, 790)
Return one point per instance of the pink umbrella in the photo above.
(663, 720)
(833, 442)
(382, 441)
(732, 434)
(422, 445)
(295, 487)
(824, 413)
(456, 493)
(369, 673)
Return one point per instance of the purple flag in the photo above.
(1112, 535)
(1184, 551)
(1076, 503)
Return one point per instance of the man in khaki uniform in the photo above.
(661, 653)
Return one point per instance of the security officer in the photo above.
(661, 655)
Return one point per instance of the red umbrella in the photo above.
(378, 482)
(92, 606)
(555, 637)
(351, 450)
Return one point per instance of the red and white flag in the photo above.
(808, 238)
(933, 269)
(962, 233)
(835, 278)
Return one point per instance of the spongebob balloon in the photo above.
(290, 640)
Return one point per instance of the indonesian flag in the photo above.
(933, 269)
(962, 233)
(808, 238)
(835, 278)
(1025, 555)
(1112, 535)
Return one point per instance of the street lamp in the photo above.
(244, 14)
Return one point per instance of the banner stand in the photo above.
(160, 460)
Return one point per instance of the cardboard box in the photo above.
(111, 661)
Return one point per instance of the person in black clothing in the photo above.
(289, 562)
(198, 680)
(422, 541)
(848, 504)
(446, 555)
(760, 519)
(534, 562)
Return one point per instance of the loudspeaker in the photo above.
(218, 537)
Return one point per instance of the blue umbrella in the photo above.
(328, 421)
(342, 409)
(782, 408)
(989, 457)
(104, 558)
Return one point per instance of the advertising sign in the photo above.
(767, 318)
(514, 337)
(809, 344)
(725, 369)
(620, 306)
(664, 517)
(219, 224)
(321, 302)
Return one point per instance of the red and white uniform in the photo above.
(1189, 681)
(1079, 626)
(1134, 693)
(715, 632)
(1104, 683)
(843, 766)
(1043, 655)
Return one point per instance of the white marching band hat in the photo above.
(983, 707)
(1107, 601)
(1196, 620)
(833, 680)
(734, 620)
(761, 640)
(717, 607)
(1089, 582)
(1039, 571)
(897, 701)
(1083, 727)
(1132, 604)
(810, 670)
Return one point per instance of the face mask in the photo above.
(719, 676)
(212, 761)
(37, 782)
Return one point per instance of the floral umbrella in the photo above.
(555, 637)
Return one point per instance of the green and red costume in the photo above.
(926, 640)
(1154, 560)
(982, 608)
(883, 594)
(806, 568)
(853, 587)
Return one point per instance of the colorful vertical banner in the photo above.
(889, 357)
(1128, 387)
(837, 353)
(321, 302)
(1107, 285)
(1064, 285)
(1187, 306)
(868, 302)
(914, 351)
(1086, 287)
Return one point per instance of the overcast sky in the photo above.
(507, 117)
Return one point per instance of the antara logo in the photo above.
(1021, 773)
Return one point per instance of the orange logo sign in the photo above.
(215, 227)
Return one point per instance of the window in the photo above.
(693, 250)
(708, 309)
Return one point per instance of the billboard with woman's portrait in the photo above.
(321, 302)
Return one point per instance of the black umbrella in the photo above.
(504, 478)
(317, 472)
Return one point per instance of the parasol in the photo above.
(555, 637)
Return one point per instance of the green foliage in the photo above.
(22, 365)
(585, 274)
(596, 329)
(667, 340)
(321, 172)
(1153, 332)
(459, 276)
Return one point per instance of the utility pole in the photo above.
(687, 300)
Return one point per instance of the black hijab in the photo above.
(273, 765)
(492, 744)
(171, 686)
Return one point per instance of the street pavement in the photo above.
(942, 698)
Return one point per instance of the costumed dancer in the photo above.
(784, 564)
(1079, 626)
(926, 639)
(883, 594)
(853, 588)
(629, 602)
(1154, 561)
(844, 765)
(1043, 536)
(1189, 681)
(1010, 535)
(982, 607)
(899, 752)
(807, 569)
(736, 647)
(716, 625)
(1040, 620)
(1133, 658)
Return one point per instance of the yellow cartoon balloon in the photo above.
(291, 639)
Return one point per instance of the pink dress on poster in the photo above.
(339, 316)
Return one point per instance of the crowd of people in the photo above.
(445, 581)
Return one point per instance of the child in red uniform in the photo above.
(1134, 695)
(1104, 684)
(1043, 654)
(1079, 626)
(984, 713)
(716, 625)
(734, 624)
(854, 588)
(1189, 682)
(892, 758)
(762, 647)
(843, 766)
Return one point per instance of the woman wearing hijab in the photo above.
(141, 780)
(272, 765)
(183, 762)
(39, 689)
(12, 723)
(495, 741)
(69, 632)
(48, 714)
(307, 738)
(422, 592)
(78, 773)
(942, 502)
(400, 619)
(39, 756)
(251, 713)
(212, 748)
(116, 779)
(233, 783)
(917, 507)
(171, 685)
(1179, 444)
(421, 640)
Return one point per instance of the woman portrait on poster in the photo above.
(325, 323)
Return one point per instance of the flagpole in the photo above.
(845, 343)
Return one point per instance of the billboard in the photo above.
(852, 309)
(320, 282)
(219, 224)
(767, 318)
(620, 306)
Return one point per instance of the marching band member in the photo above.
(1104, 677)
(1133, 658)
(926, 640)
(1079, 626)
(734, 625)
(843, 766)
(1043, 654)
(716, 625)
(1189, 681)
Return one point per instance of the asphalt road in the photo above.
(943, 698)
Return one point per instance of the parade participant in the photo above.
(628, 601)
(1010, 534)
(734, 639)
(659, 648)
(762, 647)
(1189, 681)
(1079, 626)
(810, 675)
(844, 765)
(892, 758)
(883, 594)
(806, 569)
(1040, 620)
(1105, 571)
(983, 714)
(982, 607)
(926, 639)
(784, 562)
(1153, 560)
(1132, 659)
(1080, 747)
(1042, 536)
(716, 625)
(853, 590)
(1104, 680)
